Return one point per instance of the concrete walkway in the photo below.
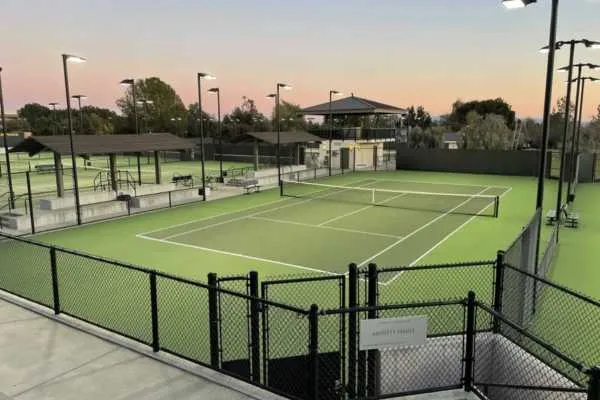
(41, 358)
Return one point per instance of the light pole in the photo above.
(11, 193)
(144, 103)
(331, 94)
(130, 82)
(563, 153)
(511, 4)
(278, 150)
(583, 80)
(66, 58)
(176, 121)
(202, 75)
(570, 175)
(54, 117)
(80, 97)
(220, 130)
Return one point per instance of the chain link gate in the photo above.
(303, 292)
(237, 326)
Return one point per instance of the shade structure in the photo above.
(102, 144)
(285, 137)
(353, 105)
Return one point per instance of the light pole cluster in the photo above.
(11, 193)
(331, 94)
(200, 77)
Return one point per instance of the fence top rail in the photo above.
(157, 273)
(472, 264)
(271, 282)
(577, 365)
(555, 285)
(383, 307)
(533, 388)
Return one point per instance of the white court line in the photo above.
(419, 229)
(225, 213)
(228, 253)
(333, 228)
(250, 215)
(422, 256)
(361, 210)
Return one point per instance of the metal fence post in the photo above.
(213, 317)
(154, 312)
(313, 352)
(498, 288)
(470, 342)
(56, 300)
(30, 200)
(594, 386)
(352, 328)
(373, 356)
(254, 327)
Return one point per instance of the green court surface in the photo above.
(316, 232)
(323, 230)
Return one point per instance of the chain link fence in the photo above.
(273, 334)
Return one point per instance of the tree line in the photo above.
(479, 124)
(159, 109)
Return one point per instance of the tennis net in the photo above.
(448, 203)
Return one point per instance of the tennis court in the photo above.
(321, 227)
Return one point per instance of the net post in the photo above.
(313, 352)
(373, 356)
(154, 312)
(498, 288)
(470, 341)
(496, 206)
(352, 328)
(254, 326)
(280, 188)
(213, 317)
(373, 196)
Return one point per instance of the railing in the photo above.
(357, 133)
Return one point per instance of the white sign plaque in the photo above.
(386, 333)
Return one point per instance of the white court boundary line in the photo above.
(361, 210)
(439, 243)
(228, 253)
(251, 215)
(282, 221)
(227, 213)
(419, 229)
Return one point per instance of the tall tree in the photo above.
(430, 138)
(487, 132)
(158, 117)
(291, 116)
(244, 118)
(418, 117)
(457, 119)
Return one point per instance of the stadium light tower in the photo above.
(217, 91)
(278, 151)
(572, 170)
(331, 94)
(80, 97)
(130, 82)
(583, 80)
(200, 77)
(11, 193)
(511, 4)
(68, 58)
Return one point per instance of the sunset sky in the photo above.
(402, 52)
